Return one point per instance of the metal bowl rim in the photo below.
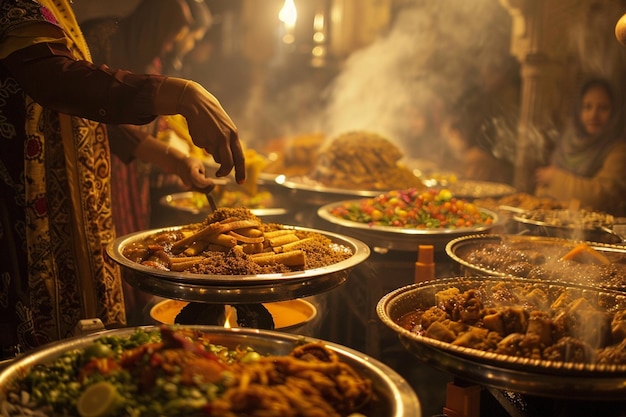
(324, 213)
(260, 212)
(360, 253)
(401, 394)
(455, 243)
(532, 365)
(296, 183)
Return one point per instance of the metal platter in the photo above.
(312, 192)
(585, 225)
(395, 396)
(184, 202)
(233, 289)
(396, 238)
(528, 376)
(460, 248)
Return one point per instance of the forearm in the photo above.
(81, 88)
(149, 149)
(598, 192)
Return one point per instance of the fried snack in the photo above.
(233, 241)
(295, 155)
(363, 160)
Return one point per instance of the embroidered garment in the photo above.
(55, 211)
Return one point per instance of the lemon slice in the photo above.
(98, 400)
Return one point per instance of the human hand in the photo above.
(544, 175)
(209, 125)
(192, 172)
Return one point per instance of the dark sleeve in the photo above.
(52, 77)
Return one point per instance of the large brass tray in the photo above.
(233, 289)
(396, 398)
(528, 376)
(182, 201)
(563, 223)
(311, 192)
(459, 248)
(397, 238)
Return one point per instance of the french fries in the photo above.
(248, 236)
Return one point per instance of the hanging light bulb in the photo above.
(288, 15)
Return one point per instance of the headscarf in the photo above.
(583, 154)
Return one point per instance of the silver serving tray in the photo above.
(458, 249)
(529, 376)
(397, 238)
(312, 192)
(258, 288)
(596, 231)
(171, 200)
(396, 398)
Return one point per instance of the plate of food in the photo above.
(196, 203)
(466, 188)
(529, 336)
(194, 370)
(352, 164)
(403, 219)
(573, 224)
(233, 256)
(541, 257)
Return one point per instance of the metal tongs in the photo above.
(209, 197)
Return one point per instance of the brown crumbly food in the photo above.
(224, 213)
(232, 241)
(363, 160)
(234, 263)
(320, 252)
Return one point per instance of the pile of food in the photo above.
(295, 155)
(527, 321)
(233, 241)
(521, 201)
(197, 202)
(583, 219)
(550, 260)
(414, 209)
(362, 161)
(176, 371)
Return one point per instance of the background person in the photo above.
(589, 160)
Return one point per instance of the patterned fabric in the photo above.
(15, 14)
(55, 214)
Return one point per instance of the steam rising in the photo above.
(432, 54)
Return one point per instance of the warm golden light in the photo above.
(318, 22)
(288, 14)
(230, 317)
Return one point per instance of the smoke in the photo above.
(432, 55)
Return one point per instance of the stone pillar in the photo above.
(539, 43)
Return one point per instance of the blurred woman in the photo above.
(589, 160)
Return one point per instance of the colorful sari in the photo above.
(55, 211)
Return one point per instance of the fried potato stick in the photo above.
(211, 229)
(275, 233)
(222, 240)
(282, 240)
(293, 245)
(292, 258)
(182, 264)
